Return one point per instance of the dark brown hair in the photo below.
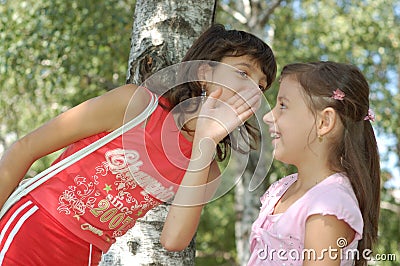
(213, 45)
(356, 151)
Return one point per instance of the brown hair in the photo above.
(356, 151)
(213, 45)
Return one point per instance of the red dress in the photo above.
(101, 196)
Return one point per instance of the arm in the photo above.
(322, 234)
(100, 114)
(184, 214)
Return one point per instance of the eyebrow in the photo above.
(245, 64)
(283, 98)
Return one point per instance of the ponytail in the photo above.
(360, 160)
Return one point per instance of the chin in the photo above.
(281, 158)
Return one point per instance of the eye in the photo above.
(243, 74)
(262, 88)
(282, 106)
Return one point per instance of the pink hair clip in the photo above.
(370, 116)
(338, 94)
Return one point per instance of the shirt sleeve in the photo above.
(340, 201)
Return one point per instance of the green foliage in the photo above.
(388, 239)
(56, 54)
(341, 31)
(216, 234)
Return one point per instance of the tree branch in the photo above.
(263, 19)
(237, 15)
(391, 207)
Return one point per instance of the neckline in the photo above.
(299, 199)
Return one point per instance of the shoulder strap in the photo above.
(42, 177)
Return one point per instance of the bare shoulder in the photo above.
(100, 114)
(121, 104)
(136, 100)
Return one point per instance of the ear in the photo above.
(326, 121)
(203, 73)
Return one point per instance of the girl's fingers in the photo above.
(238, 103)
(242, 98)
(214, 97)
(245, 115)
(253, 103)
(222, 116)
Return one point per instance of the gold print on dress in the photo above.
(79, 197)
(119, 161)
(122, 205)
(91, 228)
(112, 216)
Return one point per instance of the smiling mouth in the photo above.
(275, 135)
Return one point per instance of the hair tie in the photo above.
(370, 116)
(338, 94)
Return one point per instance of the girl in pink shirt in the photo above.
(326, 213)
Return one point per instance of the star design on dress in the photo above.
(107, 188)
(77, 216)
(139, 213)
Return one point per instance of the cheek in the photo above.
(230, 87)
(223, 78)
(296, 131)
(301, 136)
(228, 90)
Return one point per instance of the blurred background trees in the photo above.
(56, 54)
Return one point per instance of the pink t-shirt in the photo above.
(278, 239)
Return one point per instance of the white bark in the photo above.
(141, 245)
(162, 32)
(247, 204)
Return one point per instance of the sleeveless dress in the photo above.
(278, 239)
(101, 196)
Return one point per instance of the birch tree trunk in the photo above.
(163, 30)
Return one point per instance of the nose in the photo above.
(268, 118)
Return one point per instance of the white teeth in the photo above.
(274, 135)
